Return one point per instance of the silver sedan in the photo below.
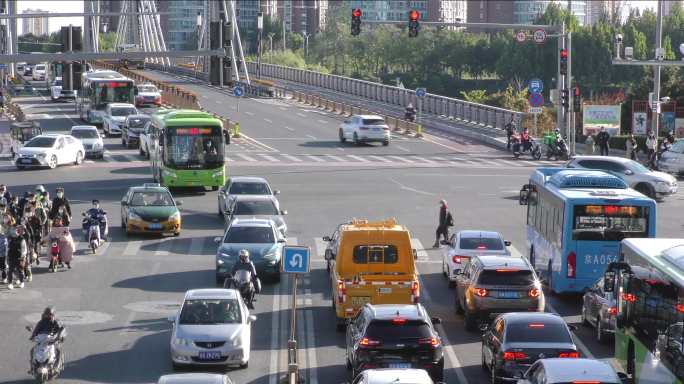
(599, 310)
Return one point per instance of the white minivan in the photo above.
(39, 72)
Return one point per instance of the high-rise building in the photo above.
(600, 9)
(180, 25)
(527, 11)
(303, 15)
(448, 11)
(397, 10)
(37, 26)
(486, 11)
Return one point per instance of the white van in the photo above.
(39, 72)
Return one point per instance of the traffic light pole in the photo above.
(560, 110)
(570, 114)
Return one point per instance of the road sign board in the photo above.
(3, 66)
(296, 259)
(536, 110)
(420, 92)
(536, 100)
(238, 91)
(539, 36)
(521, 36)
(536, 86)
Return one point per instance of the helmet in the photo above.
(557, 130)
(244, 255)
(59, 189)
(40, 189)
(96, 202)
(48, 311)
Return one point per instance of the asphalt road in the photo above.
(116, 302)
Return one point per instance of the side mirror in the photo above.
(628, 172)
(179, 203)
(436, 320)
(276, 192)
(281, 240)
(415, 254)
(623, 377)
(28, 328)
(217, 240)
(83, 214)
(507, 243)
(524, 196)
(484, 327)
(171, 319)
(252, 318)
(327, 238)
(283, 212)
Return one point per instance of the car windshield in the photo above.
(398, 330)
(481, 243)
(207, 312)
(609, 222)
(137, 122)
(112, 92)
(123, 111)
(147, 89)
(637, 168)
(85, 133)
(537, 332)
(40, 67)
(255, 207)
(193, 147)
(41, 142)
(240, 188)
(155, 199)
(373, 122)
(252, 235)
(506, 277)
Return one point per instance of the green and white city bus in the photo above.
(650, 282)
(99, 88)
(187, 149)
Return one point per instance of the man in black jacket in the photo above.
(244, 263)
(603, 138)
(445, 221)
(47, 325)
(60, 201)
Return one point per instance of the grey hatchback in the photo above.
(599, 309)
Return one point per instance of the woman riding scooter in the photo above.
(61, 235)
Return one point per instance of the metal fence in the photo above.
(468, 112)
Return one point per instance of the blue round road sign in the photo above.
(536, 100)
(420, 92)
(238, 91)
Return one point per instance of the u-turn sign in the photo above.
(295, 259)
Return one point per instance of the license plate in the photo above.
(399, 365)
(508, 295)
(155, 226)
(26, 161)
(377, 129)
(359, 301)
(211, 355)
(384, 290)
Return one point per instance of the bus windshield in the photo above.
(193, 147)
(609, 222)
(106, 92)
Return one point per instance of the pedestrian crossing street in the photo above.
(185, 248)
(342, 159)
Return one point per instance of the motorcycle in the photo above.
(534, 148)
(95, 229)
(47, 359)
(55, 256)
(664, 147)
(558, 150)
(242, 281)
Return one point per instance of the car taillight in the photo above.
(629, 297)
(433, 341)
(572, 265)
(570, 355)
(341, 292)
(366, 342)
(415, 292)
(481, 292)
(534, 292)
(511, 356)
(460, 259)
(612, 311)
(385, 128)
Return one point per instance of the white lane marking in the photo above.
(320, 246)
(269, 158)
(163, 248)
(132, 248)
(310, 345)
(438, 159)
(245, 157)
(275, 333)
(406, 188)
(380, 159)
(335, 158)
(420, 250)
(402, 159)
(445, 341)
(218, 102)
(301, 114)
(268, 120)
(311, 137)
(258, 143)
(402, 148)
(509, 163)
(292, 158)
(422, 159)
(204, 97)
(72, 120)
(358, 158)
(289, 129)
(196, 245)
(340, 149)
(322, 121)
(283, 108)
(315, 158)
(249, 113)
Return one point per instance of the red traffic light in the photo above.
(564, 53)
(577, 92)
(356, 12)
(414, 15)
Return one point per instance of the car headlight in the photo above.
(217, 174)
(237, 340)
(184, 342)
(175, 216)
(272, 256)
(166, 173)
(662, 182)
(42, 155)
(133, 216)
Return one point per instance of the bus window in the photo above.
(609, 222)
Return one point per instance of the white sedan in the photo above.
(365, 129)
(464, 245)
(50, 150)
(115, 116)
(672, 161)
(90, 138)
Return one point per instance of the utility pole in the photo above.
(260, 30)
(570, 128)
(560, 112)
(656, 78)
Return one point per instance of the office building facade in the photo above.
(37, 26)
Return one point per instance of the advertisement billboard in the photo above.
(679, 128)
(639, 123)
(597, 116)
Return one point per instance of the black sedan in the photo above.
(514, 341)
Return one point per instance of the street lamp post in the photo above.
(260, 29)
(306, 43)
(198, 23)
(270, 40)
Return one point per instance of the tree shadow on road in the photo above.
(171, 282)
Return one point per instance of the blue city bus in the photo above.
(576, 220)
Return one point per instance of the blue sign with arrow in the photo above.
(535, 86)
(420, 92)
(238, 91)
(296, 259)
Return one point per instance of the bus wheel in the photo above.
(214, 187)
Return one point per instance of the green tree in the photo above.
(107, 41)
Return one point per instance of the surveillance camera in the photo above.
(665, 99)
(681, 48)
(660, 54)
(618, 38)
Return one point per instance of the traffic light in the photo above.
(414, 26)
(356, 22)
(3, 6)
(577, 100)
(565, 98)
(227, 34)
(563, 62)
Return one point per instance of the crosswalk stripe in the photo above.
(229, 159)
(291, 158)
(196, 245)
(438, 159)
(107, 158)
(132, 248)
(315, 158)
(245, 157)
(527, 162)
(269, 158)
(422, 159)
(420, 250)
(320, 246)
(380, 159)
(292, 241)
(359, 158)
(335, 158)
(163, 248)
(509, 163)
(402, 159)
(457, 159)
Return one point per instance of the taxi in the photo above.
(150, 208)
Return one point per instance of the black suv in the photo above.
(394, 336)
